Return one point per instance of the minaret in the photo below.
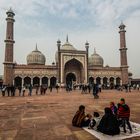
(87, 51)
(59, 61)
(123, 54)
(9, 44)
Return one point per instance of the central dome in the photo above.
(95, 60)
(36, 58)
(67, 45)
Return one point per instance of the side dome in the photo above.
(95, 60)
(36, 58)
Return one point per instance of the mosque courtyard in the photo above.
(48, 117)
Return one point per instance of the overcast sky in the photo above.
(45, 21)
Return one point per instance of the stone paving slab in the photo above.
(48, 117)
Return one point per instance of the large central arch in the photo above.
(74, 69)
(70, 78)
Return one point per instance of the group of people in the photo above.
(11, 90)
(21, 90)
(114, 117)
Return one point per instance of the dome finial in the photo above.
(94, 50)
(67, 38)
(10, 12)
(122, 26)
(36, 49)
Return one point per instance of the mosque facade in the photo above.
(71, 66)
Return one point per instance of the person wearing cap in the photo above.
(124, 114)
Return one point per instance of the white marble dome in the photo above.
(66, 46)
(36, 58)
(95, 60)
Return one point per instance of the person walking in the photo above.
(13, 90)
(23, 91)
(8, 89)
(19, 88)
(95, 91)
(3, 90)
(30, 90)
(138, 87)
(50, 87)
(57, 87)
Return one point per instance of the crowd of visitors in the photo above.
(42, 90)
(12, 90)
(114, 117)
(95, 89)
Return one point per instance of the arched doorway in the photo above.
(36, 81)
(75, 67)
(70, 78)
(98, 80)
(45, 81)
(111, 82)
(91, 80)
(18, 81)
(27, 81)
(53, 81)
(105, 82)
(118, 81)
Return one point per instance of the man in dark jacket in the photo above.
(124, 114)
(95, 91)
(109, 124)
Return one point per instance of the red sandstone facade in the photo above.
(69, 62)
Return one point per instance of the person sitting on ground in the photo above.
(113, 108)
(124, 114)
(109, 124)
(95, 121)
(80, 119)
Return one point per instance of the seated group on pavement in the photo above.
(114, 117)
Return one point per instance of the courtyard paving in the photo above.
(48, 117)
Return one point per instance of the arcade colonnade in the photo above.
(47, 81)
(35, 81)
(111, 81)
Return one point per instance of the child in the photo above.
(95, 121)
(113, 108)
